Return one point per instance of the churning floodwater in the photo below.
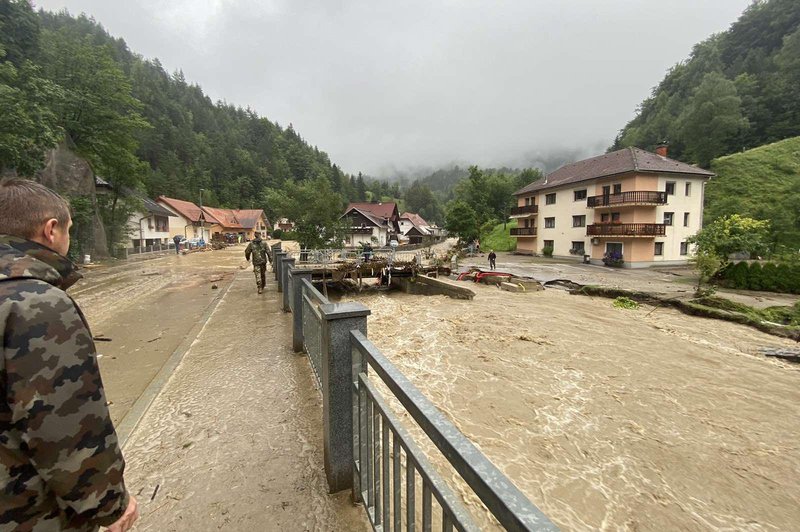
(608, 418)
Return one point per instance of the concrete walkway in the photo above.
(234, 439)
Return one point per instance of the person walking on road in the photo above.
(492, 260)
(177, 240)
(61, 465)
(259, 250)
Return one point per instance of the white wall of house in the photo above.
(565, 207)
(146, 226)
(355, 239)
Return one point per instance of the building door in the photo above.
(614, 247)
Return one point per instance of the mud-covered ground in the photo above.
(144, 310)
(609, 418)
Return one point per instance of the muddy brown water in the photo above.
(608, 418)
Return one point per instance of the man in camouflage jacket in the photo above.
(259, 250)
(61, 467)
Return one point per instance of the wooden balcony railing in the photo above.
(361, 230)
(635, 197)
(523, 231)
(614, 229)
(525, 209)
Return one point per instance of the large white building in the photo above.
(640, 205)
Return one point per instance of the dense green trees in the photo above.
(120, 110)
(738, 89)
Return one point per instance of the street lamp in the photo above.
(202, 225)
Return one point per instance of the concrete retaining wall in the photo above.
(428, 286)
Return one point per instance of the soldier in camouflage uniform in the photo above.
(61, 467)
(260, 253)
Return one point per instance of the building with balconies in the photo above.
(641, 205)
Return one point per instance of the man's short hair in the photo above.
(25, 205)
(257, 233)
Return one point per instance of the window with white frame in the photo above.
(668, 218)
(549, 223)
(580, 194)
(659, 249)
(579, 221)
(550, 199)
(686, 219)
(670, 188)
(684, 248)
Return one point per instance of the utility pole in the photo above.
(202, 225)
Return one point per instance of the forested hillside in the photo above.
(65, 77)
(762, 183)
(738, 90)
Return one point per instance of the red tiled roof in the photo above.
(225, 217)
(616, 162)
(249, 217)
(379, 210)
(187, 209)
(415, 219)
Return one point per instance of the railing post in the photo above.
(279, 256)
(275, 249)
(337, 380)
(298, 274)
(286, 265)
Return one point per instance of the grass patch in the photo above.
(789, 316)
(499, 238)
(625, 302)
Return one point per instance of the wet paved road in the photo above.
(234, 439)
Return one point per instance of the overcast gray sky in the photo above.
(383, 85)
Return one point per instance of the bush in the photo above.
(547, 251)
(769, 277)
(613, 258)
(277, 234)
(755, 276)
(783, 278)
(737, 275)
(772, 277)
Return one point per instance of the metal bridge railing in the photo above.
(375, 480)
(312, 326)
(367, 449)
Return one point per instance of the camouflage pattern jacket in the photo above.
(61, 466)
(259, 250)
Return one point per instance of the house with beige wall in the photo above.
(640, 204)
(189, 220)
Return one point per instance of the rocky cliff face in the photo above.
(71, 175)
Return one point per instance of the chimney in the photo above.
(661, 149)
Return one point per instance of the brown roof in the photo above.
(225, 217)
(187, 209)
(368, 215)
(609, 164)
(415, 219)
(379, 210)
(249, 217)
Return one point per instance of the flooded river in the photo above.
(609, 418)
